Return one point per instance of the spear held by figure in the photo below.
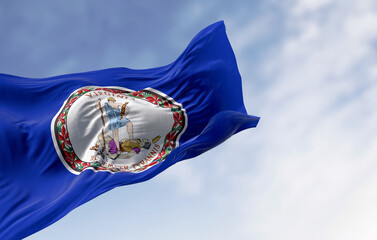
(103, 123)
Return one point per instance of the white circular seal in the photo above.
(116, 129)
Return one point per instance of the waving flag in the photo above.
(70, 138)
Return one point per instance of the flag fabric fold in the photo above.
(136, 124)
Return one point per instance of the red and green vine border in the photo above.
(150, 95)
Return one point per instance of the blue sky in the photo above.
(308, 68)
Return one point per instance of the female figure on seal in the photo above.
(117, 114)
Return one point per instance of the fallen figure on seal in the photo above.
(128, 148)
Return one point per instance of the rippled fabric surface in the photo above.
(36, 189)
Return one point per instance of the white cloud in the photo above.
(305, 6)
(250, 32)
(315, 179)
(184, 178)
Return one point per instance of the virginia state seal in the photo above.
(116, 129)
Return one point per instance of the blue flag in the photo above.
(67, 139)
